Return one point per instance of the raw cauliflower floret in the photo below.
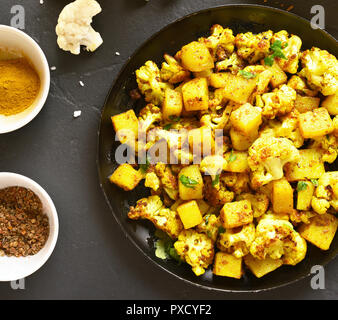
(267, 156)
(210, 226)
(278, 102)
(277, 239)
(259, 202)
(326, 194)
(197, 249)
(152, 208)
(291, 51)
(220, 42)
(253, 47)
(74, 29)
(172, 71)
(320, 68)
(149, 115)
(149, 82)
(237, 241)
(328, 146)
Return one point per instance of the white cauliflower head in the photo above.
(74, 29)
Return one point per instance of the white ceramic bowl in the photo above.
(13, 268)
(16, 40)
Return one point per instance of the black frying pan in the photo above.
(240, 18)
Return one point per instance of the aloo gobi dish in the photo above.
(235, 141)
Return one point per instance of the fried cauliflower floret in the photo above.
(152, 181)
(234, 63)
(326, 194)
(277, 239)
(301, 216)
(168, 180)
(320, 68)
(209, 226)
(172, 71)
(216, 117)
(152, 208)
(267, 156)
(216, 195)
(253, 47)
(220, 42)
(149, 115)
(149, 82)
(299, 84)
(197, 249)
(74, 29)
(259, 202)
(237, 241)
(278, 102)
(236, 182)
(213, 165)
(327, 146)
(291, 51)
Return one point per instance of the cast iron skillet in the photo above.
(240, 18)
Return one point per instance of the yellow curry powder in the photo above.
(19, 86)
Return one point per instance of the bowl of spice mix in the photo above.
(28, 226)
(24, 79)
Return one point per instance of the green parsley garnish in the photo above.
(221, 230)
(174, 118)
(232, 156)
(165, 247)
(301, 186)
(209, 234)
(247, 74)
(314, 182)
(277, 51)
(207, 219)
(216, 180)
(167, 126)
(188, 182)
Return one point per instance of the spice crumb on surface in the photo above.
(81, 83)
(290, 8)
(77, 113)
(24, 228)
(117, 53)
(53, 68)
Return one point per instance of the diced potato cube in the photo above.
(126, 177)
(190, 214)
(304, 196)
(320, 231)
(246, 119)
(204, 207)
(235, 88)
(196, 94)
(316, 123)
(172, 104)
(126, 126)
(279, 76)
(190, 183)
(201, 141)
(331, 104)
(236, 214)
(261, 267)
(237, 161)
(239, 141)
(305, 104)
(282, 196)
(196, 57)
(227, 265)
(308, 167)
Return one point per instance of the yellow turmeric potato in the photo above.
(262, 267)
(236, 214)
(235, 88)
(237, 161)
(126, 177)
(304, 195)
(190, 183)
(331, 104)
(279, 76)
(172, 104)
(316, 123)
(309, 166)
(126, 126)
(246, 119)
(320, 231)
(282, 196)
(201, 141)
(196, 57)
(305, 103)
(190, 214)
(227, 265)
(239, 141)
(196, 94)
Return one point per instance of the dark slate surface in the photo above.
(93, 259)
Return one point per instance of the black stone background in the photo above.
(93, 259)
